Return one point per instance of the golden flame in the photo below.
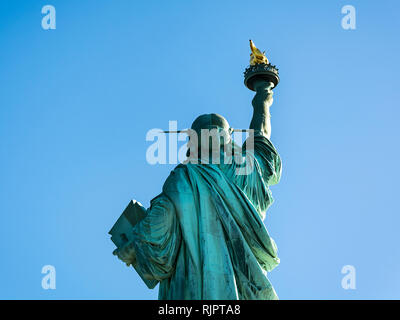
(256, 56)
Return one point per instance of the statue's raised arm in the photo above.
(261, 121)
(261, 77)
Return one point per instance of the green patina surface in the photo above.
(203, 237)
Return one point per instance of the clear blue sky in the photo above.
(76, 103)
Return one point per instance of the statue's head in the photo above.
(210, 121)
(212, 134)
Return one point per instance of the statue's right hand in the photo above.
(126, 253)
(263, 98)
(264, 93)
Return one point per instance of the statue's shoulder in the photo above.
(178, 180)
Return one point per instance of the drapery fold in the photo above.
(203, 236)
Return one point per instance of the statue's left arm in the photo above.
(156, 241)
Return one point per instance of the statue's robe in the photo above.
(204, 237)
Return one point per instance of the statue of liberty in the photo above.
(203, 237)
